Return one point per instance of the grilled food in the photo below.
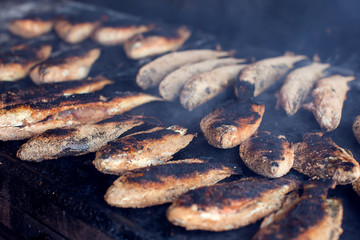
(111, 34)
(204, 86)
(171, 85)
(26, 120)
(231, 205)
(311, 216)
(153, 73)
(65, 68)
(264, 73)
(17, 62)
(163, 183)
(329, 97)
(356, 128)
(232, 123)
(356, 186)
(142, 149)
(268, 155)
(35, 94)
(74, 141)
(155, 42)
(320, 158)
(30, 27)
(298, 85)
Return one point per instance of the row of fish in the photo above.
(140, 39)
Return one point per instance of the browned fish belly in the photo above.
(30, 27)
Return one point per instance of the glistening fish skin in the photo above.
(30, 27)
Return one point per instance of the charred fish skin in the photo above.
(232, 123)
(320, 158)
(298, 85)
(231, 205)
(266, 72)
(74, 141)
(160, 184)
(16, 63)
(329, 96)
(70, 68)
(31, 27)
(155, 42)
(142, 149)
(311, 216)
(356, 128)
(267, 155)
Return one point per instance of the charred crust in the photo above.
(59, 132)
(20, 56)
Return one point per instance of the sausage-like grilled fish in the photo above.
(298, 85)
(17, 62)
(268, 155)
(160, 184)
(35, 94)
(356, 128)
(320, 158)
(74, 141)
(232, 123)
(75, 29)
(62, 69)
(205, 86)
(30, 27)
(142, 149)
(155, 42)
(111, 34)
(171, 85)
(264, 73)
(154, 72)
(329, 97)
(230, 205)
(310, 217)
(24, 121)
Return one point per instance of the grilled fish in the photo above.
(329, 96)
(62, 69)
(35, 94)
(171, 85)
(30, 27)
(155, 71)
(320, 158)
(267, 155)
(160, 184)
(205, 86)
(311, 216)
(356, 128)
(74, 141)
(264, 73)
(155, 42)
(142, 149)
(16, 63)
(230, 205)
(298, 85)
(232, 123)
(24, 121)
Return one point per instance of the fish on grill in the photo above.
(78, 140)
(38, 93)
(262, 74)
(267, 155)
(161, 184)
(205, 86)
(356, 128)
(232, 123)
(110, 34)
(155, 42)
(170, 87)
(142, 149)
(311, 217)
(320, 158)
(151, 74)
(231, 205)
(298, 85)
(31, 27)
(65, 67)
(17, 62)
(329, 96)
(23, 121)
